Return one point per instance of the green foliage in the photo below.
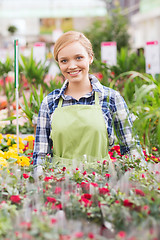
(112, 28)
(11, 129)
(31, 109)
(6, 67)
(34, 72)
(144, 102)
(12, 29)
(127, 61)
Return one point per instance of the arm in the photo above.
(43, 143)
(123, 128)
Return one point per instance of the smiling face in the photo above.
(74, 62)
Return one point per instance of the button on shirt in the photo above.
(115, 113)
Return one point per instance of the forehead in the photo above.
(73, 48)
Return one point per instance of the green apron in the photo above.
(79, 130)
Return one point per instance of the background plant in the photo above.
(112, 28)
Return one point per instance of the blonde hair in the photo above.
(70, 37)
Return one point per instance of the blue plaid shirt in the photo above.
(115, 113)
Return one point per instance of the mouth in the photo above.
(74, 73)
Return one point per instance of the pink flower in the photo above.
(53, 220)
(26, 225)
(79, 234)
(146, 208)
(94, 173)
(57, 190)
(91, 236)
(121, 234)
(64, 169)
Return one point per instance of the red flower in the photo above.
(87, 203)
(103, 190)
(46, 179)
(51, 199)
(25, 175)
(121, 234)
(87, 196)
(127, 203)
(107, 175)
(91, 236)
(64, 169)
(94, 184)
(59, 206)
(84, 173)
(85, 185)
(15, 199)
(139, 192)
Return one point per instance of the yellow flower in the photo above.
(1, 153)
(23, 161)
(29, 138)
(1, 137)
(3, 162)
(9, 142)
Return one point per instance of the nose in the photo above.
(72, 64)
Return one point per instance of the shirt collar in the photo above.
(96, 86)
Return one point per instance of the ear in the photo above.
(91, 59)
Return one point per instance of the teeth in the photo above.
(72, 73)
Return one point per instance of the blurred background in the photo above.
(40, 20)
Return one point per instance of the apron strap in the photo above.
(96, 100)
(60, 102)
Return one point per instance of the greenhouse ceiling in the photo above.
(51, 8)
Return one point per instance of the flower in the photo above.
(103, 190)
(29, 138)
(15, 199)
(51, 199)
(139, 192)
(121, 234)
(25, 175)
(127, 203)
(79, 234)
(57, 190)
(3, 162)
(91, 236)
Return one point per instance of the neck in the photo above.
(78, 90)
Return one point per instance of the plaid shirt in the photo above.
(115, 113)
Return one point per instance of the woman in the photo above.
(79, 118)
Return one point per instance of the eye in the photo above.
(63, 61)
(79, 57)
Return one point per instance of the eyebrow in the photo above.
(79, 54)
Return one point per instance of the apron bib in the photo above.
(79, 130)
